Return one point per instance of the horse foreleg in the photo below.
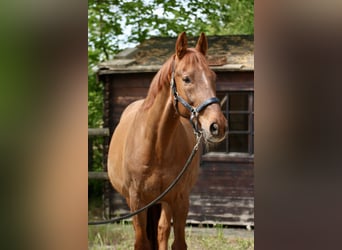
(180, 213)
(164, 226)
(139, 223)
(141, 241)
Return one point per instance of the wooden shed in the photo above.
(224, 192)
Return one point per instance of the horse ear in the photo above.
(202, 44)
(181, 45)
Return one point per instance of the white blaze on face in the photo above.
(207, 86)
(204, 78)
(205, 89)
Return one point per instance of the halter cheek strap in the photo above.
(193, 110)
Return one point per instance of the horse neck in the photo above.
(160, 120)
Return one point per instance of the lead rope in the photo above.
(199, 136)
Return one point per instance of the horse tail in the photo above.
(153, 215)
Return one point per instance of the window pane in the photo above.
(220, 147)
(238, 101)
(238, 143)
(220, 95)
(238, 122)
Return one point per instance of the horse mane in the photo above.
(162, 77)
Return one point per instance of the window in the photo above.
(238, 107)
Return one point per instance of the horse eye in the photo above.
(186, 79)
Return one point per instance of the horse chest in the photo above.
(159, 177)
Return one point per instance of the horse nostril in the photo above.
(214, 129)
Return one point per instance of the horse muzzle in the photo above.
(214, 125)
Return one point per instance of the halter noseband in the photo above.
(193, 110)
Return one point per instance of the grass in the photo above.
(121, 237)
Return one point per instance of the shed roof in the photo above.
(225, 53)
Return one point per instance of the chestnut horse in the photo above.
(154, 138)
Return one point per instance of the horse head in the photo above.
(193, 85)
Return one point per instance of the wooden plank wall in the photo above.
(223, 194)
(224, 191)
